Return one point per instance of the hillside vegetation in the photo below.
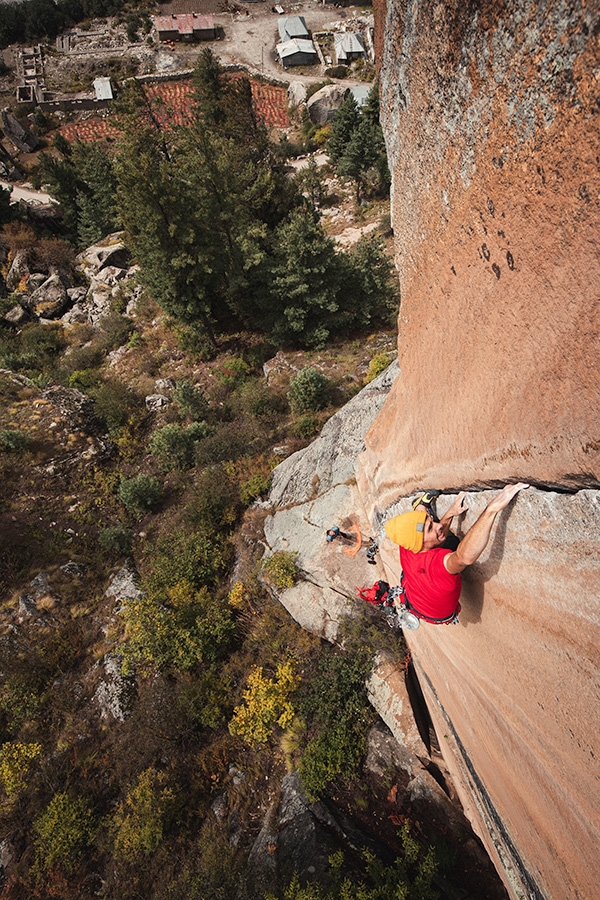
(152, 690)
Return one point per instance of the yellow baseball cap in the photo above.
(407, 529)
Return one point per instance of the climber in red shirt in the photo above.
(431, 565)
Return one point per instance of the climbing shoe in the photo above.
(427, 499)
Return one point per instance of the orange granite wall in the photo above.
(491, 112)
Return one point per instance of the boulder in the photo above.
(18, 315)
(50, 300)
(124, 584)
(35, 281)
(18, 271)
(27, 606)
(296, 93)
(155, 402)
(164, 385)
(324, 104)
(111, 251)
(116, 692)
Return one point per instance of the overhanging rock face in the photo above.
(492, 123)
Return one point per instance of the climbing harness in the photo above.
(397, 608)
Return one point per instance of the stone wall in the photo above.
(491, 113)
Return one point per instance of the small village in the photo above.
(73, 84)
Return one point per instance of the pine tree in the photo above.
(306, 278)
(343, 126)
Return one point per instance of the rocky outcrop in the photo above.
(324, 104)
(491, 121)
(510, 688)
(314, 489)
(116, 691)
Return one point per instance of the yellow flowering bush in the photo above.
(139, 821)
(266, 704)
(15, 763)
(236, 595)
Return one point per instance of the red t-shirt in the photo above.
(430, 588)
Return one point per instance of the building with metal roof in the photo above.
(103, 88)
(185, 27)
(292, 27)
(348, 47)
(297, 53)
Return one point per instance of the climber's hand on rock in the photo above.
(458, 507)
(505, 496)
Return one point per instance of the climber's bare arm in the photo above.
(457, 508)
(475, 540)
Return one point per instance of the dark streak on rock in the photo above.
(496, 270)
(485, 251)
(502, 836)
(509, 260)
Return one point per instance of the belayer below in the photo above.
(432, 558)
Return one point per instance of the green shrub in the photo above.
(176, 629)
(141, 494)
(281, 568)
(84, 379)
(42, 343)
(117, 538)
(20, 700)
(115, 330)
(197, 558)
(206, 698)
(173, 446)
(16, 760)
(13, 441)
(114, 403)
(410, 877)
(195, 342)
(63, 831)
(333, 702)
(215, 500)
(139, 821)
(191, 401)
(306, 426)
(308, 390)
(378, 364)
(255, 398)
(229, 441)
(254, 487)
(234, 371)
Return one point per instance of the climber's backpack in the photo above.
(377, 594)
